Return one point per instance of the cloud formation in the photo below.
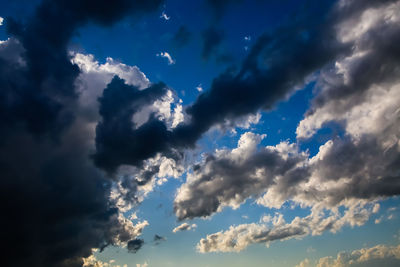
(228, 178)
(380, 255)
(46, 143)
(238, 238)
(358, 167)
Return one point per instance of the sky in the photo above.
(146, 133)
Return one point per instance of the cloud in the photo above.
(94, 77)
(199, 88)
(1, 21)
(92, 261)
(166, 55)
(228, 178)
(158, 239)
(349, 171)
(184, 227)
(238, 238)
(42, 129)
(380, 255)
(134, 245)
(237, 94)
(118, 104)
(353, 87)
(165, 16)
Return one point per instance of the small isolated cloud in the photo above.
(1, 21)
(164, 16)
(199, 88)
(158, 239)
(134, 245)
(145, 264)
(166, 55)
(184, 227)
(247, 38)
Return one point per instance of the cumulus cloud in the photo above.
(184, 227)
(1, 20)
(238, 238)
(229, 177)
(92, 261)
(380, 255)
(94, 77)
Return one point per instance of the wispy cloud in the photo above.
(165, 16)
(166, 55)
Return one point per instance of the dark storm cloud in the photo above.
(55, 202)
(48, 73)
(181, 37)
(117, 140)
(276, 64)
(135, 245)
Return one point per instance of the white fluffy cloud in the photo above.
(380, 255)
(238, 238)
(92, 261)
(184, 227)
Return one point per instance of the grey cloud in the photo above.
(135, 244)
(276, 64)
(233, 176)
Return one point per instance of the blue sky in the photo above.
(206, 133)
